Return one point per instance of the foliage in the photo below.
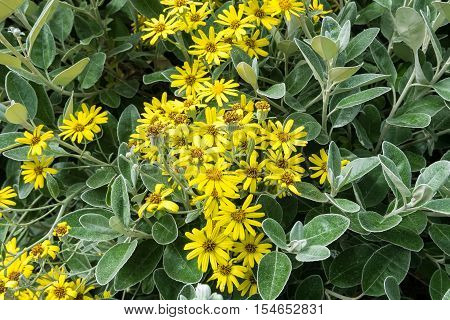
(269, 148)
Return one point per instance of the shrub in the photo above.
(269, 149)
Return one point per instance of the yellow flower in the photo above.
(226, 275)
(159, 28)
(240, 126)
(5, 198)
(211, 47)
(252, 45)
(195, 18)
(26, 294)
(17, 268)
(155, 201)
(249, 284)
(11, 247)
(251, 250)
(213, 129)
(61, 229)
(261, 14)
(82, 289)
(190, 78)
(37, 170)
(36, 140)
(282, 136)
(234, 22)
(95, 115)
(213, 202)
(320, 167)
(287, 162)
(216, 177)
(178, 6)
(210, 245)
(61, 289)
(41, 250)
(252, 171)
(317, 10)
(287, 8)
(219, 90)
(237, 220)
(79, 128)
(285, 181)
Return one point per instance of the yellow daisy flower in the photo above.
(195, 17)
(287, 8)
(36, 140)
(190, 78)
(320, 167)
(282, 136)
(44, 249)
(237, 220)
(252, 171)
(209, 245)
(262, 14)
(251, 250)
(213, 202)
(178, 6)
(159, 28)
(212, 130)
(252, 45)
(317, 10)
(78, 128)
(156, 201)
(82, 289)
(249, 284)
(61, 289)
(95, 115)
(219, 90)
(234, 22)
(226, 275)
(37, 170)
(285, 181)
(6, 194)
(61, 229)
(211, 47)
(278, 159)
(20, 267)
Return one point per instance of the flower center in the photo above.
(259, 13)
(251, 43)
(37, 250)
(283, 136)
(252, 172)
(35, 140)
(61, 230)
(282, 163)
(209, 245)
(262, 105)
(180, 3)
(190, 79)
(238, 216)
(252, 280)
(154, 198)
(79, 128)
(232, 116)
(197, 153)
(38, 170)
(211, 47)
(235, 24)
(2, 287)
(160, 27)
(180, 118)
(195, 17)
(285, 4)
(212, 130)
(224, 270)
(60, 292)
(287, 178)
(14, 276)
(214, 174)
(250, 247)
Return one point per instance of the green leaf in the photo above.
(374, 222)
(297, 232)
(16, 114)
(110, 98)
(393, 178)
(101, 177)
(80, 232)
(443, 7)
(443, 88)
(429, 105)
(312, 127)
(112, 261)
(7, 8)
(247, 74)
(333, 163)
(140, 265)
(155, 77)
(391, 288)
(346, 268)
(48, 10)
(383, 61)
(273, 273)
(98, 225)
(325, 47)
(52, 186)
(360, 43)
(312, 59)
(21, 91)
(325, 229)
(339, 74)
(148, 8)
(439, 284)
(165, 230)
(440, 234)
(127, 123)
(44, 50)
(277, 91)
(310, 288)
(120, 202)
(360, 80)
(400, 160)
(410, 120)
(441, 206)
(45, 111)
(361, 97)
(310, 192)
(402, 237)
(298, 78)
(270, 207)
(386, 261)
(167, 287)
(238, 55)
(61, 22)
(313, 253)
(344, 204)
(435, 176)
(93, 71)
(9, 60)
(410, 27)
(275, 232)
(178, 267)
(9, 139)
(68, 75)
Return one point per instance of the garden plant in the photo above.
(254, 149)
